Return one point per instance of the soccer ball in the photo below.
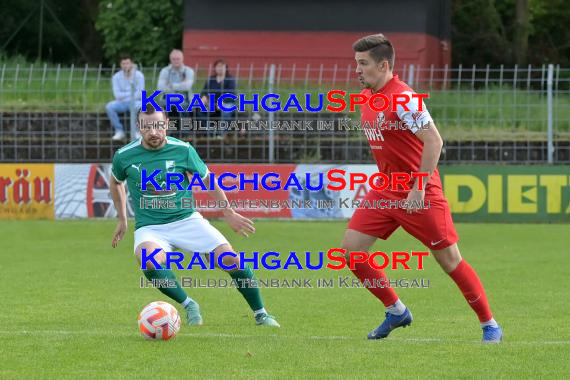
(159, 321)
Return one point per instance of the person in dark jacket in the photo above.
(221, 82)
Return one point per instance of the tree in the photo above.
(148, 30)
(520, 41)
(549, 34)
(511, 31)
(59, 31)
(478, 33)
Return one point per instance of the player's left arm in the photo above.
(420, 123)
(430, 157)
(237, 222)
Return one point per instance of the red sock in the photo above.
(470, 285)
(365, 272)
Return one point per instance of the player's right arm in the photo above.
(119, 195)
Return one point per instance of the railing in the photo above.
(485, 114)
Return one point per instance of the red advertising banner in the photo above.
(250, 207)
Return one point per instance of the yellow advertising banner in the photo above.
(495, 193)
(26, 191)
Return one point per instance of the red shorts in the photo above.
(432, 226)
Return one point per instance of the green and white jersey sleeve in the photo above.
(195, 163)
(117, 169)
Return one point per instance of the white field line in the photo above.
(295, 337)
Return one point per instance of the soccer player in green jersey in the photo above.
(181, 227)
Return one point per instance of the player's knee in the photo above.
(230, 261)
(230, 257)
(346, 251)
(348, 243)
(150, 258)
(448, 258)
(357, 241)
(349, 246)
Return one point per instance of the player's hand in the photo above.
(240, 224)
(415, 196)
(119, 232)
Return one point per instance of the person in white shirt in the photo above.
(176, 78)
(128, 84)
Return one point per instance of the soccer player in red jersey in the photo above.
(415, 149)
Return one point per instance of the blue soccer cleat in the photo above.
(492, 334)
(390, 323)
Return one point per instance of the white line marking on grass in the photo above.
(296, 337)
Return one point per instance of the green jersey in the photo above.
(174, 157)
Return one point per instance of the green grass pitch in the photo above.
(70, 304)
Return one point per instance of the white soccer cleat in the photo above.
(264, 319)
(193, 316)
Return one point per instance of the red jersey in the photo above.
(391, 135)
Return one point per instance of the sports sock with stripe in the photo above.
(470, 285)
(248, 289)
(177, 293)
(365, 272)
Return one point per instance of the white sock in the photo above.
(187, 301)
(260, 311)
(490, 322)
(397, 309)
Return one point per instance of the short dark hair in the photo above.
(380, 48)
(149, 111)
(124, 56)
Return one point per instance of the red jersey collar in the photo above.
(388, 84)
